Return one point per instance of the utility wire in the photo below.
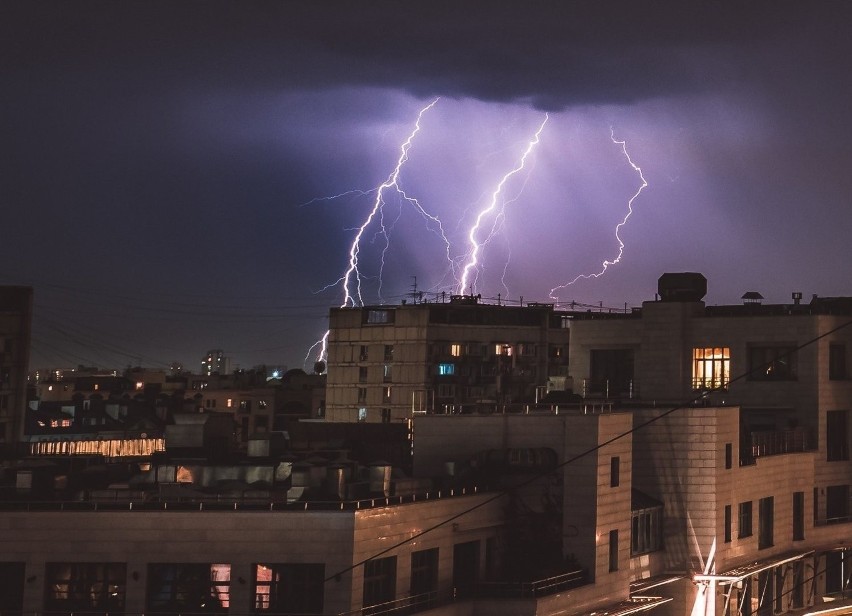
(585, 453)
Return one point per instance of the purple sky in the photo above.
(157, 159)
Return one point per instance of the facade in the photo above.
(386, 363)
(16, 309)
(215, 362)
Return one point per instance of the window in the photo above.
(528, 349)
(386, 394)
(388, 352)
(610, 370)
(378, 317)
(837, 435)
(798, 590)
(614, 464)
(613, 550)
(386, 415)
(837, 362)
(772, 363)
(387, 373)
(503, 349)
(12, 588)
(837, 568)
(837, 504)
(456, 350)
(245, 406)
(465, 568)
(446, 369)
(475, 349)
(188, 587)
(711, 367)
(798, 516)
(744, 522)
(362, 394)
(766, 515)
(379, 582)
(424, 577)
(446, 391)
(85, 587)
(646, 531)
(289, 588)
(729, 455)
(363, 353)
(362, 374)
(727, 523)
(362, 413)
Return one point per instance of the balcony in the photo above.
(776, 442)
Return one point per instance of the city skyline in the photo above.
(166, 168)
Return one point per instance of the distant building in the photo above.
(215, 362)
(386, 363)
(16, 310)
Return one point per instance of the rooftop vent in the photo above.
(752, 297)
(682, 287)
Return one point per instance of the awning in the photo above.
(737, 574)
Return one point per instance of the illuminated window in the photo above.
(386, 394)
(503, 349)
(362, 413)
(289, 588)
(456, 350)
(97, 386)
(378, 317)
(229, 403)
(711, 367)
(446, 369)
(95, 588)
(262, 404)
(139, 385)
(387, 373)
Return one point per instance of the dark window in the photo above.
(378, 317)
(424, 577)
(765, 524)
(386, 415)
(772, 363)
(837, 435)
(388, 352)
(379, 581)
(798, 516)
(611, 371)
(613, 550)
(465, 567)
(797, 592)
(85, 587)
(837, 564)
(362, 394)
(363, 354)
(727, 523)
(188, 587)
(646, 531)
(614, 478)
(765, 592)
(245, 405)
(837, 362)
(837, 504)
(289, 588)
(362, 374)
(729, 455)
(744, 520)
(12, 588)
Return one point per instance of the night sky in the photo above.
(166, 167)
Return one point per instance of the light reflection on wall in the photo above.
(110, 448)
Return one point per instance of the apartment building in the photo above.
(16, 310)
(386, 363)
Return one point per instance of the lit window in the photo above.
(446, 369)
(711, 367)
(503, 349)
(97, 387)
(456, 350)
(50, 388)
(229, 403)
(139, 384)
(386, 394)
(362, 413)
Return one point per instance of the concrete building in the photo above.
(16, 310)
(386, 363)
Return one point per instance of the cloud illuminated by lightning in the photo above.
(618, 227)
(352, 277)
(472, 265)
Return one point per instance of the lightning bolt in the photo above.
(472, 264)
(351, 278)
(618, 227)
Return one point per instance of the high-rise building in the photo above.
(16, 309)
(215, 362)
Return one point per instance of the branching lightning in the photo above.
(618, 227)
(472, 265)
(352, 277)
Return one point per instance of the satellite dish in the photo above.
(319, 367)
